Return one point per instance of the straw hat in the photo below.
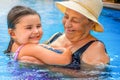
(89, 8)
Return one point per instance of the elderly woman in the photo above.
(80, 17)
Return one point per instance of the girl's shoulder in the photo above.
(28, 48)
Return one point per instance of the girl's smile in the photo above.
(28, 30)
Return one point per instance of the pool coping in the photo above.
(111, 5)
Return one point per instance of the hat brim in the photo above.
(78, 8)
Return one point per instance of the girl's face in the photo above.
(27, 30)
(76, 25)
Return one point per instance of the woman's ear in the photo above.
(11, 33)
(92, 24)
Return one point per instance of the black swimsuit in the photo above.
(75, 63)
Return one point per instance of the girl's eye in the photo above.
(38, 26)
(29, 27)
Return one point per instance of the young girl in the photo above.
(25, 30)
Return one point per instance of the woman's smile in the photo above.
(69, 31)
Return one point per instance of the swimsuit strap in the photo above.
(75, 63)
(53, 38)
(17, 52)
(82, 49)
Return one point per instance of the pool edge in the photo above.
(111, 5)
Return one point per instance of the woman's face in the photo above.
(76, 25)
(27, 30)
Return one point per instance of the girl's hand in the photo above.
(68, 54)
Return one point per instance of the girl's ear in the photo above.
(11, 33)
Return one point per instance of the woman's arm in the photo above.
(45, 55)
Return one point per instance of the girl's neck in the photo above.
(15, 46)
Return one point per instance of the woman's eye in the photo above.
(75, 21)
(66, 17)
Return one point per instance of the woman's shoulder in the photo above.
(59, 40)
(96, 54)
(53, 38)
(98, 44)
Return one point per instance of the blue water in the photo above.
(51, 22)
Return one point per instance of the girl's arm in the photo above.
(45, 55)
(30, 59)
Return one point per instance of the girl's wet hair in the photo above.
(13, 17)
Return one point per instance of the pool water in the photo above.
(51, 23)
